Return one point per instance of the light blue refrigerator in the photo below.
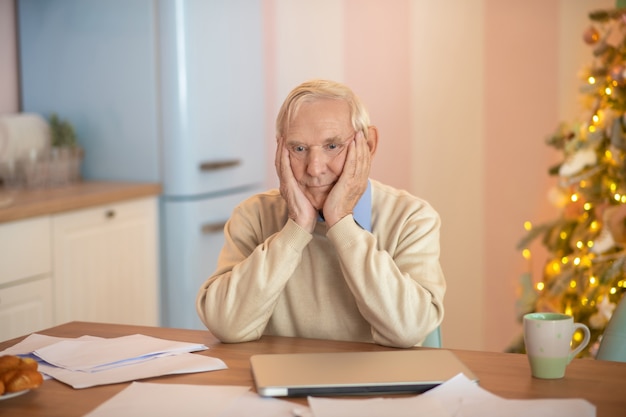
(168, 91)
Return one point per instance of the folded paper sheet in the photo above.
(184, 363)
(101, 354)
(90, 361)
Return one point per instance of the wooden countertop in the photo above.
(22, 204)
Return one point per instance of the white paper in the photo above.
(464, 398)
(457, 397)
(97, 355)
(37, 341)
(416, 406)
(169, 400)
(253, 405)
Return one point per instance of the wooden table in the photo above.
(504, 374)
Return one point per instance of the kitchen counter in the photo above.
(38, 202)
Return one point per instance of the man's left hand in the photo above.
(351, 184)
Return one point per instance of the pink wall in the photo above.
(377, 67)
(521, 109)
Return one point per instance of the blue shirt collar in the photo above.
(363, 210)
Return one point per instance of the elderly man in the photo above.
(333, 254)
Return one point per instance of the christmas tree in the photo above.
(585, 275)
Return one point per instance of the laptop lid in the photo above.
(347, 373)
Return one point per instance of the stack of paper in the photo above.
(88, 361)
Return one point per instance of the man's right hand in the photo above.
(300, 209)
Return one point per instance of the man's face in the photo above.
(317, 140)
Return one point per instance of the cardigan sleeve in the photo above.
(237, 301)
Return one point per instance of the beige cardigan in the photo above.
(346, 283)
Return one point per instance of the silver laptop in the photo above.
(348, 373)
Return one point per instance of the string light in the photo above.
(578, 337)
(568, 310)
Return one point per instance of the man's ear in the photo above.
(372, 139)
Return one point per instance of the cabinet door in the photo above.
(25, 249)
(25, 308)
(25, 283)
(105, 263)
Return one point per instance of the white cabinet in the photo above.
(94, 264)
(106, 263)
(26, 301)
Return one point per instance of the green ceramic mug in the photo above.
(548, 338)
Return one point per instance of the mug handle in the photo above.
(583, 344)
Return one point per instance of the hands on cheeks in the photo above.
(341, 199)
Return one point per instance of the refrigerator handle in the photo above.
(215, 227)
(217, 165)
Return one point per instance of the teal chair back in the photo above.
(433, 339)
(613, 343)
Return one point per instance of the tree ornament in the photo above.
(605, 310)
(576, 162)
(615, 220)
(618, 139)
(558, 197)
(617, 73)
(604, 242)
(591, 35)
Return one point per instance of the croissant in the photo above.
(18, 374)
